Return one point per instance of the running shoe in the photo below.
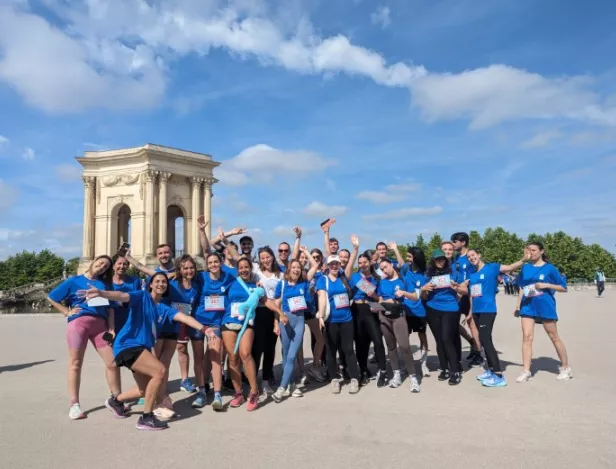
(354, 386)
(363, 379)
(471, 354)
(279, 394)
(425, 371)
(524, 376)
(565, 374)
(304, 381)
(187, 386)
(217, 402)
(200, 401)
(150, 422)
(369, 374)
(316, 374)
(381, 380)
(116, 408)
(141, 401)
(253, 402)
(75, 413)
(396, 381)
(297, 393)
(495, 381)
(335, 386)
(237, 401)
(476, 361)
(267, 390)
(485, 375)
(414, 384)
(455, 379)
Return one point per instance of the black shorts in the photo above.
(465, 305)
(308, 315)
(416, 324)
(168, 336)
(128, 357)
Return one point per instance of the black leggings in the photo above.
(339, 336)
(264, 344)
(367, 329)
(445, 327)
(485, 323)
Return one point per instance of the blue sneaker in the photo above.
(495, 382)
(187, 386)
(485, 375)
(141, 401)
(217, 402)
(200, 400)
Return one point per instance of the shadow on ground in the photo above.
(21, 366)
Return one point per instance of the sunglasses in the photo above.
(282, 250)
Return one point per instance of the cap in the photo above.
(333, 258)
(438, 253)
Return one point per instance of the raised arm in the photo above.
(205, 243)
(222, 236)
(516, 265)
(348, 270)
(394, 247)
(325, 229)
(139, 266)
(298, 240)
(92, 292)
(314, 265)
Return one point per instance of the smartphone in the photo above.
(107, 337)
(123, 249)
(325, 222)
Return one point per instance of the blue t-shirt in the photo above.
(145, 318)
(387, 289)
(120, 310)
(414, 282)
(483, 286)
(542, 303)
(338, 296)
(295, 299)
(67, 291)
(183, 299)
(213, 298)
(229, 270)
(443, 298)
(283, 268)
(236, 294)
(463, 266)
(357, 293)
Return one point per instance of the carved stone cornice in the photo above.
(164, 177)
(88, 181)
(150, 175)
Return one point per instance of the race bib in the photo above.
(476, 290)
(182, 307)
(441, 281)
(214, 303)
(418, 293)
(530, 291)
(297, 303)
(365, 286)
(341, 301)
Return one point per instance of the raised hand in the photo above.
(298, 231)
(238, 231)
(393, 246)
(355, 241)
(202, 223)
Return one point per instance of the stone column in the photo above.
(194, 244)
(150, 177)
(89, 183)
(207, 206)
(162, 207)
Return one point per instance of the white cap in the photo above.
(333, 258)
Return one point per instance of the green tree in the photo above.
(420, 242)
(29, 267)
(434, 243)
(72, 265)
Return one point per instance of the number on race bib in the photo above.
(341, 301)
(214, 303)
(476, 290)
(442, 281)
(297, 303)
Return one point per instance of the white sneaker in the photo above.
(524, 376)
(425, 372)
(297, 392)
(267, 390)
(396, 381)
(75, 413)
(335, 386)
(414, 384)
(565, 374)
(279, 394)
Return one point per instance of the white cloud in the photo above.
(542, 139)
(409, 186)
(377, 197)
(3, 141)
(28, 154)
(8, 195)
(68, 172)
(403, 213)
(318, 209)
(261, 162)
(381, 17)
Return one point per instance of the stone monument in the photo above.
(136, 195)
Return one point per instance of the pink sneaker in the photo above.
(237, 401)
(253, 402)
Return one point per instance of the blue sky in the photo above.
(396, 117)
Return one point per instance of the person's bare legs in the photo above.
(214, 352)
(112, 372)
(250, 369)
(528, 334)
(233, 361)
(552, 330)
(474, 332)
(199, 358)
(149, 375)
(75, 363)
(183, 359)
(165, 349)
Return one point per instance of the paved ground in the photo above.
(543, 423)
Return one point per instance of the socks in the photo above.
(217, 395)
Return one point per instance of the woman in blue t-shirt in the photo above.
(293, 297)
(538, 281)
(133, 344)
(87, 321)
(125, 283)
(440, 294)
(483, 285)
(336, 318)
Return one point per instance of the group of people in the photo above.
(350, 300)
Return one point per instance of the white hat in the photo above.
(333, 258)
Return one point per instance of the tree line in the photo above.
(572, 257)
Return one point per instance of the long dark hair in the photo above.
(149, 286)
(320, 253)
(433, 271)
(275, 267)
(372, 269)
(419, 259)
(539, 244)
(107, 276)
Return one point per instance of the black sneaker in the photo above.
(369, 374)
(364, 380)
(381, 380)
(117, 408)
(476, 361)
(455, 379)
(150, 422)
(444, 375)
(471, 354)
